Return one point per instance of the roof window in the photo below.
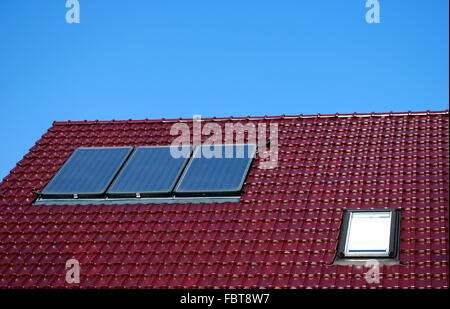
(367, 234)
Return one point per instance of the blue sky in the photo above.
(152, 59)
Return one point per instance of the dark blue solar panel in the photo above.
(88, 171)
(223, 173)
(149, 171)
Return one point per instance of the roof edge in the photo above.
(301, 116)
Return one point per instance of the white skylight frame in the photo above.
(367, 234)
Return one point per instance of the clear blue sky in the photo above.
(176, 58)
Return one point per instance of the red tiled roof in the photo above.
(283, 232)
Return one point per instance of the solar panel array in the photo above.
(152, 171)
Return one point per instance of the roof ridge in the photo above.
(265, 117)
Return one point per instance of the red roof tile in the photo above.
(282, 233)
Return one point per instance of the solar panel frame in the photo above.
(84, 194)
(237, 191)
(143, 193)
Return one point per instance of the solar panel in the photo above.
(150, 171)
(87, 173)
(223, 174)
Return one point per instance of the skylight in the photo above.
(366, 234)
